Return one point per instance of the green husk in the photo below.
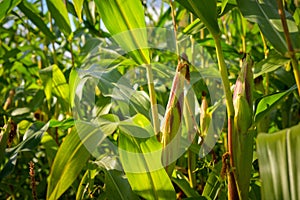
(171, 129)
(243, 134)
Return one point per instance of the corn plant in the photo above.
(149, 99)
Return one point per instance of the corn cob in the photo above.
(243, 136)
(171, 129)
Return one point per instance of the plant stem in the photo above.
(291, 51)
(152, 95)
(52, 42)
(192, 155)
(175, 27)
(72, 53)
(232, 189)
(225, 80)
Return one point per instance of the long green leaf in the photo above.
(206, 11)
(141, 159)
(69, 161)
(27, 9)
(7, 6)
(279, 162)
(59, 12)
(125, 21)
(265, 14)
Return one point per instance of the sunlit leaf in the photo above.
(141, 159)
(3, 140)
(65, 124)
(68, 163)
(55, 83)
(78, 4)
(127, 26)
(50, 147)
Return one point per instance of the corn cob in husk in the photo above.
(171, 128)
(243, 134)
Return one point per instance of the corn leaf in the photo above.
(117, 186)
(141, 159)
(55, 83)
(69, 161)
(7, 6)
(268, 103)
(127, 26)
(279, 162)
(265, 14)
(206, 11)
(270, 64)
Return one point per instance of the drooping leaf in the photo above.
(267, 103)
(278, 157)
(206, 11)
(69, 161)
(27, 9)
(265, 14)
(60, 14)
(141, 159)
(127, 26)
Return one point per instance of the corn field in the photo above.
(149, 99)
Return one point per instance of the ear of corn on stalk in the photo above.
(171, 128)
(243, 133)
